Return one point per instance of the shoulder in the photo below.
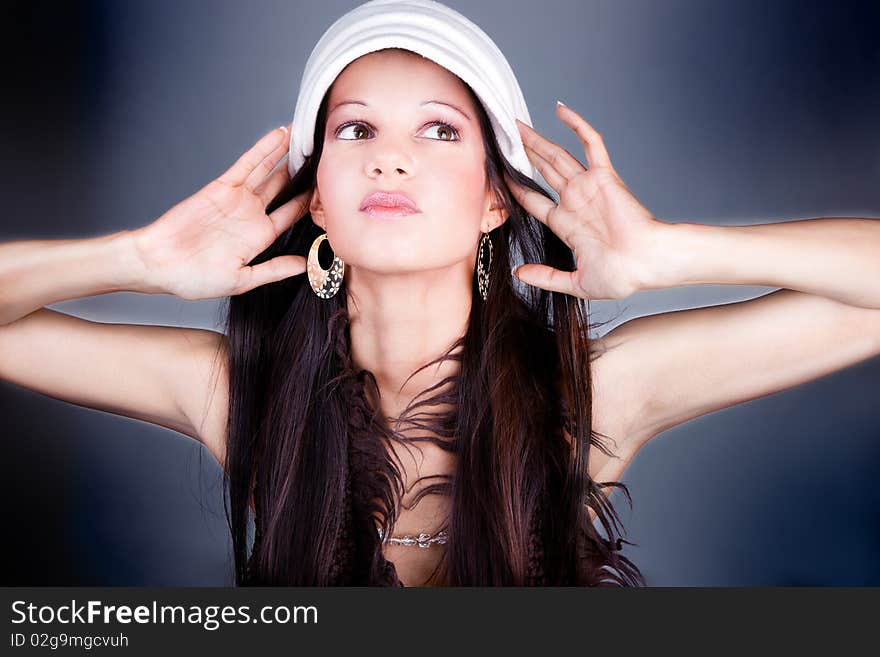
(617, 385)
(615, 407)
(207, 398)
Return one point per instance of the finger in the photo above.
(260, 172)
(539, 206)
(239, 172)
(566, 164)
(273, 184)
(535, 203)
(551, 175)
(547, 278)
(594, 146)
(284, 216)
(271, 271)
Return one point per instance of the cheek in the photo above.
(335, 184)
(452, 203)
(338, 186)
(458, 194)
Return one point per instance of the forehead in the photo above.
(397, 72)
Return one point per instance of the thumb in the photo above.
(271, 271)
(547, 278)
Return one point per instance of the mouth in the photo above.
(388, 205)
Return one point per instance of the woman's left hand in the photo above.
(611, 234)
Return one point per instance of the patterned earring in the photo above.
(325, 282)
(483, 273)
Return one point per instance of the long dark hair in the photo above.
(305, 436)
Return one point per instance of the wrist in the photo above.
(687, 253)
(669, 248)
(130, 272)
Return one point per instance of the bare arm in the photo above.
(664, 369)
(157, 374)
(826, 317)
(36, 273)
(696, 361)
(199, 249)
(165, 375)
(833, 257)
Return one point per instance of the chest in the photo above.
(423, 465)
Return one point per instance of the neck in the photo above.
(399, 322)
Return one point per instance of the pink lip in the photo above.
(388, 204)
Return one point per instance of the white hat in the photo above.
(432, 30)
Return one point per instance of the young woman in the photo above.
(409, 412)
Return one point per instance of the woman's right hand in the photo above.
(200, 248)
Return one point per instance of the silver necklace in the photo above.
(423, 540)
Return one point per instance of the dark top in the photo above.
(358, 558)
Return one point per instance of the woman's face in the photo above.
(390, 141)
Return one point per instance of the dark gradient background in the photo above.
(713, 112)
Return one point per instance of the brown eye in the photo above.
(445, 128)
(356, 125)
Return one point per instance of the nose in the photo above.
(378, 170)
(390, 160)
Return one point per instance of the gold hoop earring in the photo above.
(483, 273)
(324, 282)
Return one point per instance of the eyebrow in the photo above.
(427, 102)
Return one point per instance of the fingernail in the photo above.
(559, 102)
(284, 127)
